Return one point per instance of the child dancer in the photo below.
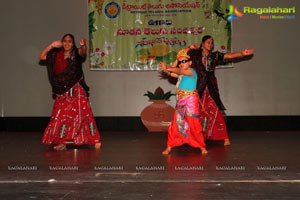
(185, 127)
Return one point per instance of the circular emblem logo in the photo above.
(112, 10)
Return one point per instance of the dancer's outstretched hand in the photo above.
(82, 42)
(162, 66)
(56, 44)
(247, 52)
(194, 46)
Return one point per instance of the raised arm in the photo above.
(194, 46)
(55, 44)
(82, 49)
(164, 66)
(173, 74)
(179, 71)
(246, 52)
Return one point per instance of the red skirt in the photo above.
(216, 129)
(72, 120)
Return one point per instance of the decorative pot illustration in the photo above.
(158, 116)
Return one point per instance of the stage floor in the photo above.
(258, 165)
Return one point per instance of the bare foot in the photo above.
(203, 150)
(98, 145)
(60, 147)
(166, 151)
(226, 142)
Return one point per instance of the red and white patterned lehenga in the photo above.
(72, 120)
(212, 106)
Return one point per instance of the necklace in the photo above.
(67, 54)
(205, 53)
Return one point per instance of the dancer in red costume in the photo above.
(72, 120)
(185, 127)
(207, 86)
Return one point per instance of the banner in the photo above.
(138, 34)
